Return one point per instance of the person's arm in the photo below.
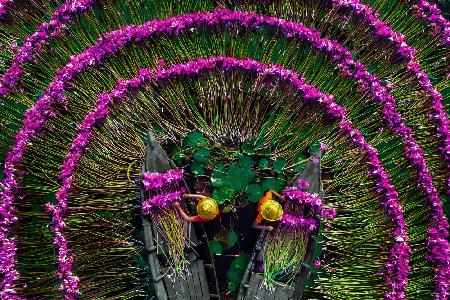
(280, 197)
(183, 214)
(256, 224)
(197, 197)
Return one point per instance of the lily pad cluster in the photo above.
(237, 175)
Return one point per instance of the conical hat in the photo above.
(207, 209)
(271, 210)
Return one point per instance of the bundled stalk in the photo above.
(173, 230)
(283, 254)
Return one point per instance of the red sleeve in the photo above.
(197, 219)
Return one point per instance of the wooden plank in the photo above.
(196, 281)
(178, 292)
(255, 281)
(169, 288)
(190, 282)
(203, 280)
(184, 288)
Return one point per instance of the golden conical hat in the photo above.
(271, 210)
(207, 209)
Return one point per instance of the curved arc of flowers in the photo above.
(58, 21)
(43, 110)
(439, 116)
(400, 251)
(431, 13)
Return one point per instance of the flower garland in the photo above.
(3, 7)
(156, 180)
(391, 206)
(162, 201)
(43, 110)
(32, 44)
(432, 14)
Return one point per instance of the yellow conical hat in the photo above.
(271, 210)
(207, 209)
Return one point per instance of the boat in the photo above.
(252, 286)
(200, 281)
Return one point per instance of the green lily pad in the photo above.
(178, 153)
(234, 170)
(246, 162)
(237, 154)
(202, 155)
(215, 247)
(195, 139)
(240, 262)
(232, 286)
(264, 163)
(254, 192)
(279, 164)
(218, 176)
(223, 194)
(444, 198)
(236, 183)
(234, 275)
(197, 168)
(271, 184)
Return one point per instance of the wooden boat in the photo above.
(251, 286)
(201, 283)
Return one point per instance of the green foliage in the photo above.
(244, 172)
(215, 247)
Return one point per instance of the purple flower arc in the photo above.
(43, 110)
(431, 13)
(58, 21)
(310, 93)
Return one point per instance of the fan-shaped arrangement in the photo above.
(239, 94)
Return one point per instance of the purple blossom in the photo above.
(329, 213)
(301, 197)
(302, 184)
(315, 159)
(162, 201)
(153, 181)
(308, 224)
(317, 263)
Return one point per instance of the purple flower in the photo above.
(302, 184)
(307, 224)
(153, 181)
(317, 263)
(162, 201)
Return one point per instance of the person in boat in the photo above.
(207, 209)
(269, 210)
